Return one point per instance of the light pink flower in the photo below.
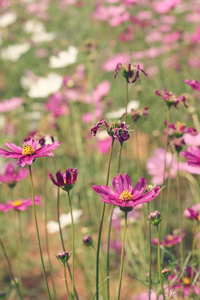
(193, 83)
(29, 152)
(162, 7)
(21, 204)
(11, 104)
(111, 63)
(12, 176)
(193, 156)
(171, 37)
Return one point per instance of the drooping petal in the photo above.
(139, 188)
(25, 160)
(14, 148)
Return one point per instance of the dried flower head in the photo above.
(129, 71)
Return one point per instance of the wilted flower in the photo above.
(87, 240)
(193, 83)
(193, 156)
(116, 129)
(29, 152)
(12, 176)
(63, 256)
(138, 113)
(155, 218)
(179, 129)
(170, 98)
(21, 204)
(124, 195)
(65, 180)
(129, 71)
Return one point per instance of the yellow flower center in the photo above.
(126, 196)
(170, 237)
(28, 150)
(186, 281)
(17, 203)
(198, 217)
(178, 126)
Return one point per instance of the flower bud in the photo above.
(155, 218)
(63, 256)
(87, 240)
(166, 272)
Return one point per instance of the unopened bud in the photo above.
(166, 272)
(63, 256)
(87, 240)
(155, 218)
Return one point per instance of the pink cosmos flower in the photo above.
(192, 140)
(170, 98)
(196, 35)
(170, 240)
(179, 129)
(21, 204)
(124, 195)
(193, 156)
(176, 281)
(103, 142)
(110, 64)
(162, 7)
(193, 83)
(129, 71)
(57, 105)
(11, 104)
(65, 180)
(193, 212)
(171, 37)
(12, 176)
(29, 152)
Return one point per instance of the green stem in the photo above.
(37, 233)
(101, 224)
(66, 284)
(122, 256)
(159, 264)
(19, 245)
(137, 150)
(168, 287)
(73, 248)
(126, 100)
(179, 211)
(165, 158)
(150, 252)
(46, 233)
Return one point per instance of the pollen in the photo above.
(126, 196)
(28, 150)
(186, 281)
(17, 203)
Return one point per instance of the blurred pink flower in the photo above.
(103, 142)
(171, 37)
(192, 154)
(127, 35)
(111, 63)
(192, 140)
(193, 212)
(170, 240)
(12, 176)
(193, 83)
(57, 105)
(21, 204)
(196, 36)
(11, 104)
(162, 7)
(29, 152)
(170, 98)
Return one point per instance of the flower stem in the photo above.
(179, 211)
(159, 264)
(19, 245)
(38, 235)
(46, 233)
(150, 252)
(66, 284)
(122, 256)
(73, 248)
(101, 224)
(126, 100)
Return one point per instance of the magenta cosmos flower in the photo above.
(65, 180)
(12, 176)
(129, 71)
(21, 204)
(170, 240)
(124, 195)
(193, 83)
(31, 150)
(193, 213)
(192, 154)
(170, 98)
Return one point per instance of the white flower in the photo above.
(64, 58)
(7, 19)
(134, 104)
(33, 26)
(42, 37)
(65, 220)
(14, 52)
(42, 87)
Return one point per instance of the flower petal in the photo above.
(139, 188)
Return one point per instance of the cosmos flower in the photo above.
(29, 152)
(65, 180)
(170, 98)
(14, 52)
(21, 204)
(129, 71)
(124, 195)
(12, 176)
(64, 58)
(193, 213)
(170, 240)
(193, 83)
(11, 104)
(192, 154)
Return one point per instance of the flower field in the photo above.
(99, 149)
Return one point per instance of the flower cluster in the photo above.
(116, 129)
(170, 98)
(129, 71)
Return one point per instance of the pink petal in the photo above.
(139, 188)
(14, 148)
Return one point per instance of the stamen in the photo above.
(186, 281)
(28, 150)
(126, 196)
(17, 203)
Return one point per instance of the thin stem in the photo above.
(101, 224)
(165, 158)
(66, 284)
(19, 245)
(179, 211)
(109, 230)
(126, 100)
(159, 265)
(46, 233)
(137, 150)
(38, 235)
(122, 256)
(9, 266)
(168, 287)
(150, 252)
(73, 248)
